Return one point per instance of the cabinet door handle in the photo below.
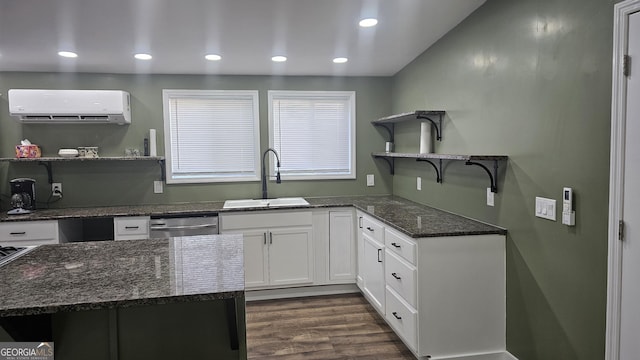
(270, 238)
(132, 227)
(369, 228)
(18, 233)
(264, 236)
(396, 276)
(395, 314)
(395, 245)
(379, 253)
(360, 222)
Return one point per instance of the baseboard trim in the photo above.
(270, 294)
(500, 355)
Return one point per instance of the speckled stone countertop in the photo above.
(108, 274)
(415, 220)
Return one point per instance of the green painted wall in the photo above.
(97, 184)
(530, 79)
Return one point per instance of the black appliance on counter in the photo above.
(23, 196)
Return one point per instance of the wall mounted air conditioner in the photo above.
(70, 106)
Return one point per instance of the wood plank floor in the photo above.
(322, 327)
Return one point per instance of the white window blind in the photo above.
(314, 133)
(211, 135)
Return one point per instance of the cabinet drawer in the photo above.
(45, 232)
(403, 319)
(131, 228)
(401, 277)
(401, 245)
(264, 219)
(373, 229)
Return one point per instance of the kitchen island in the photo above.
(177, 298)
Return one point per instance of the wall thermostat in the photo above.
(568, 214)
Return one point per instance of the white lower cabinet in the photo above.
(278, 247)
(445, 296)
(342, 246)
(373, 273)
(25, 233)
(131, 227)
(359, 251)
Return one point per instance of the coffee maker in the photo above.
(23, 196)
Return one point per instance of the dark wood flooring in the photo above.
(322, 327)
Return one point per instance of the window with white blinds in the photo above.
(314, 133)
(211, 135)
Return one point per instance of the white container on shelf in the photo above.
(426, 143)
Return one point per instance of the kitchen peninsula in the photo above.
(104, 299)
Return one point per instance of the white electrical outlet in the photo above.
(546, 208)
(490, 194)
(419, 183)
(157, 187)
(370, 180)
(56, 189)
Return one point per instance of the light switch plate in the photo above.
(370, 180)
(157, 187)
(546, 208)
(419, 183)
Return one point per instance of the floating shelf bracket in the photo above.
(390, 129)
(437, 168)
(437, 125)
(492, 177)
(390, 161)
(163, 171)
(47, 165)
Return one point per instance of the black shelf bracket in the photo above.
(438, 125)
(437, 168)
(163, 169)
(47, 165)
(492, 177)
(390, 130)
(390, 161)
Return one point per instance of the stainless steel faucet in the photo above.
(264, 172)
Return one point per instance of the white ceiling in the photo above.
(246, 33)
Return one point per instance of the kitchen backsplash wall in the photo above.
(530, 79)
(123, 183)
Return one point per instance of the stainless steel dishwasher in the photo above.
(169, 226)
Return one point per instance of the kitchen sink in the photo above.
(253, 203)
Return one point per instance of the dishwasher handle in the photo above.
(163, 227)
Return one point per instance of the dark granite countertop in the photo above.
(107, 274)
(414, 219)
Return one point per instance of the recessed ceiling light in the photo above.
(213, 57)
(340, 60)
(143, 56)
(67, 54)
(279, 58)
(368, 22)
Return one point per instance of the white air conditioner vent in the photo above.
(70, 106)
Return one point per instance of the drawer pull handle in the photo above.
(270, 238)
(379, 252)
(132, 227)
(360, 222)
(396, 276)
(395, 314)
(264, 235)
(369, 228)
(395, 245)
(18, 233)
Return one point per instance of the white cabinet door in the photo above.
(290, 256)
(360, 250)
(256, 272)
(342, 246)
(374, 283)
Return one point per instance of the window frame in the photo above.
(350, 96)
(168, 94)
